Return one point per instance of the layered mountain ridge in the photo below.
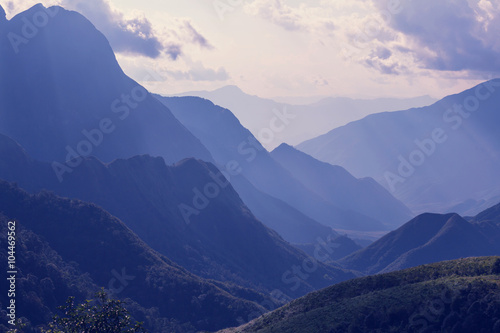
(337, 185)
(307, 119)
(99, 244)
(220, 239)
(440, 158)
(236, 149)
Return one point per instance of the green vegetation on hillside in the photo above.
(71, 248)
(454, 296)
(94, 316)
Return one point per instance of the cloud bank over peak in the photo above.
(129, 35)
(126, 35)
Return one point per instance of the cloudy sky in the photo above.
(357, 48)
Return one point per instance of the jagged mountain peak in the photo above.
(284, 146)
(63, 90)
(425, 239)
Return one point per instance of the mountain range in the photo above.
(336, 185)
(187, 212)
(453, 296)
(441, 158)
(236, 149)
(306, 121)
(430, 238)
(75, 246)
(87, 106)
(175, 206)
(73, 123)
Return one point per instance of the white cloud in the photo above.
(133, 35)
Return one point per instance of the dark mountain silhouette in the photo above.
(102, 251)
(454, 296)
(233, 145)
(64, 95)
(338, 186)
(438, 158)
(44, 280)
(426, 239)
(214, 234)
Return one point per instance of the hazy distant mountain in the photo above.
(306, 121)
(297, 100)
(238, 151)
(64, 95)
(453, 296)
(220, 130)
(293, 225)
(188, 212)
(101, 251)
(338, 186)
(426, 239)
(490, 215)
(441, 158)
(470, 207)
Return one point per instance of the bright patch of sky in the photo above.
(356, 48)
